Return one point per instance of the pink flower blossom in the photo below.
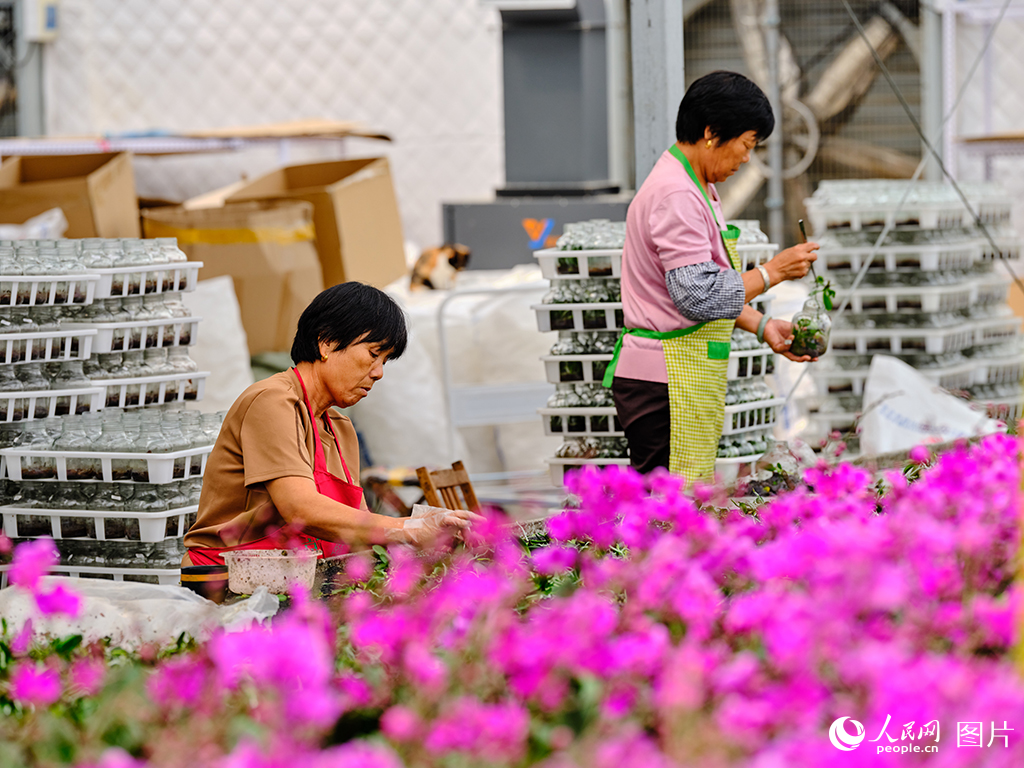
(86, 676)
(34, 684)
(178, 682)
(32, 560)
(919, 454)
(401, 723)
(58, 600)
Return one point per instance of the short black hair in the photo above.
(343, 313)
(726, 102)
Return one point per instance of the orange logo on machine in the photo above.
(539, 233)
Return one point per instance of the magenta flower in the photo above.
(58, 600)
(178, 682)
(34, 684)
(920, 455)
(401, 723)
(32, 561)
(86, 676)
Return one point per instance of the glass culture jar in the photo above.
(114, 439)
(811, 328)
(73, 438)
(35, 437)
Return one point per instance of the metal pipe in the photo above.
(775, 200)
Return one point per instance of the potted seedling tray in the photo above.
(25, 406)
(575, 368)
(98, 524)
(66, 344)
(142, 334)
(157, 278)
(830, 381)
(165, 576)
(558, 467)
(47, 290)
(960, 255)
(581, 422)
(152, 390)
(923, 298)
(159, 468)
(750, 363)
(757, 414)
(579, 265)
(923, 214)
(753, 254)
(605, 316)
(933, 341)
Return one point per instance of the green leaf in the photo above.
(64, 648)
(381, 553)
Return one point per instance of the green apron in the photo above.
(697, 362)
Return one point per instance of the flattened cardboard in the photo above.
(96, 192)
(267, 249)
(359, 230)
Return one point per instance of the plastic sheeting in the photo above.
(492, 339)
(220, 345)
(132, 614)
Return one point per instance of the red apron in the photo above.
(329, 485)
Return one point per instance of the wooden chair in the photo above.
(441, 488)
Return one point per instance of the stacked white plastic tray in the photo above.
(743, 422)
(933, 295)
(79, 342)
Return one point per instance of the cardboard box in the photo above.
(96, 192)
(267, 249)
(358, 229)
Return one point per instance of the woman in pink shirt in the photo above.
(681, 291)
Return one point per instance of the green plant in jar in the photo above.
(812, 325)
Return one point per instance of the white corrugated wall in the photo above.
(426, 72)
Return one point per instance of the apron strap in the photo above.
(731, 231)
(609, 372)
(319, 458)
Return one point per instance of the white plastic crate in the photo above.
(160, 467)
(824, 423)
(153, 390)
(932, 341)
(727, 470)
(158, 278)
(581, 422)
(1007, 248)
(165, 576)
(47, 290)
(923, 298)
(750, 363)
(833, 381)
(929, 258)
(558, 467)
(575, 368)
(579, 317)
(758, 414)
(999, 370)
(179, 331)
(926, 215)
(152, 525)
(579, 265)
(1006, 409)
(28, 404)
(753, 254)
(996, 330)
(70, 343)
(991, 289)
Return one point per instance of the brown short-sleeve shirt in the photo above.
(266, 434)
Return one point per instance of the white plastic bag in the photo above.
(48, 225)
(131, 614)
(903, 409)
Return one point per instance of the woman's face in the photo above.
(350, 373)
(724, 159)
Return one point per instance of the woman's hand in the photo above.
(778, 334)
(792, 263)
(427, 524)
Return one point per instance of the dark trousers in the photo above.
(643, 411)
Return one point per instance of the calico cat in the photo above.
(436, 268)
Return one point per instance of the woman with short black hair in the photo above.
(682, 293)
(285, 466)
